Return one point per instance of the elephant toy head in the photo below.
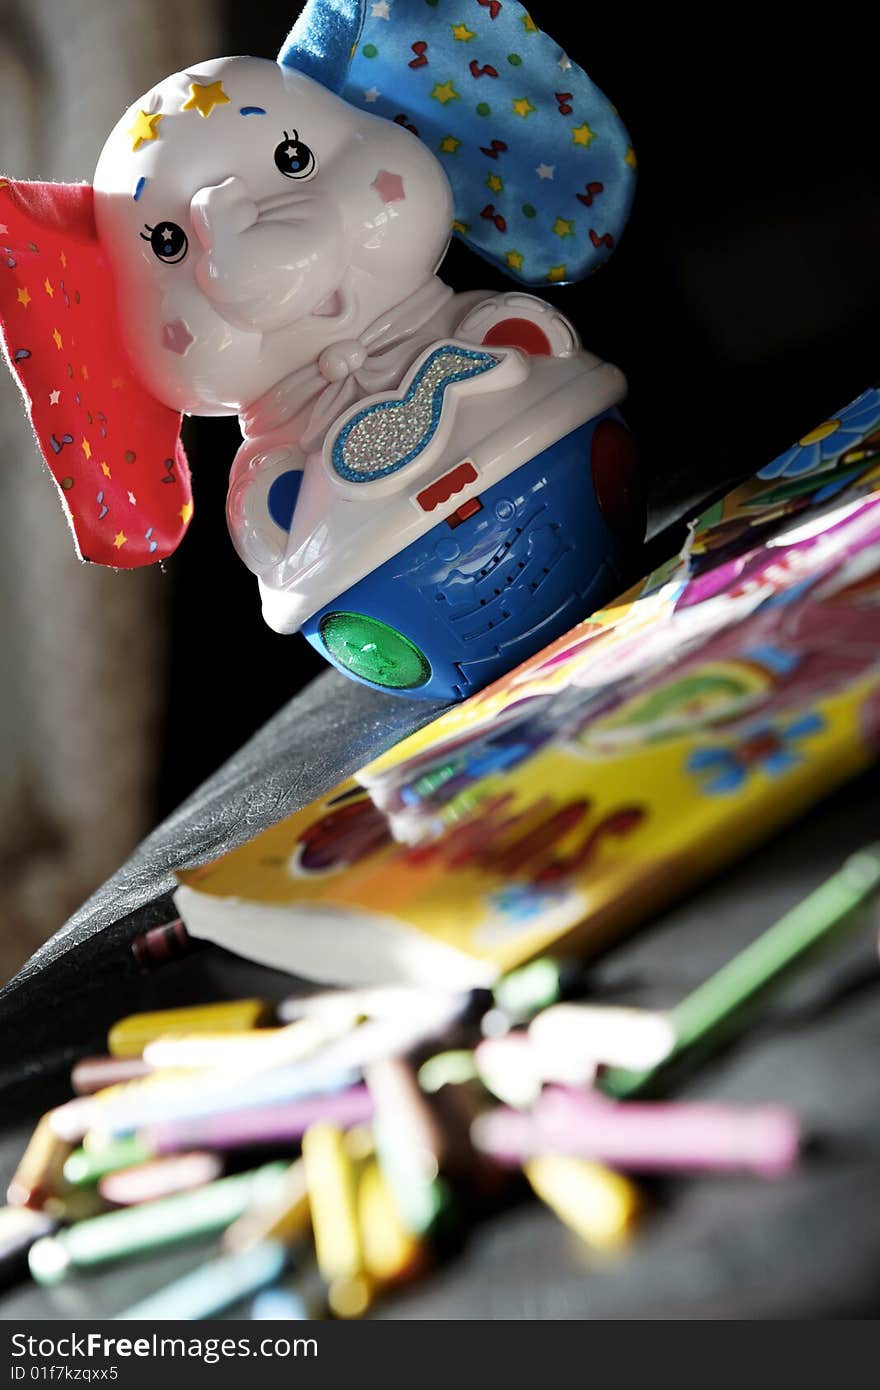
(249, 212)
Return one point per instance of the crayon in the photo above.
(129, 1036)
(256, 1048)
(74, 1120)
(162, 944)
(525, 992)
(396, 1094)
(713, 1010)
(215, 1285)
(40, 1172)
(649, 1137)
(596, 1203)
(495, 1023)
(279, 1305)
(133, 1231)
(74, 1204)
(271, 1124)
(570, 1039)
(159, 1177)
(285, 1216)
(391, 1251)
(410, 1147)
(215, 1094)
(19, 1229)
(508, 1068)
(85, 1166)
(332, 1185)
(360, 1145)
(95, 1073)
(391, 1001)
(447, 1068)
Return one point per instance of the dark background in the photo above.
(741, 304)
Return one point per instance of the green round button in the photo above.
(374, 651)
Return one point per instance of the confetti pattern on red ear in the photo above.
(113, 449)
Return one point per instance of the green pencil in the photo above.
(712, 1008)
(133, 1231)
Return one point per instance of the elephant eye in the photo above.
(169, 242)
(293, 158)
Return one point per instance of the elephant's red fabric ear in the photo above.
(113, 449)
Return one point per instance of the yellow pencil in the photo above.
(39, 1175)
(595, 1202)
(391, 1251)
(331, 1176)
(129, 1036)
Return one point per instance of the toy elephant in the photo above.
(431, 485)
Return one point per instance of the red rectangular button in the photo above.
(468, 508)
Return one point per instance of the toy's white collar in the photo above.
(312, 397)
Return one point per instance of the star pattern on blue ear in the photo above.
(541, 166)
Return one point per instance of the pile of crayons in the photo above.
(383, 1122)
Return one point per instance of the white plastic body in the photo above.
(342, 530)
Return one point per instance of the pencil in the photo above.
(711, 1009)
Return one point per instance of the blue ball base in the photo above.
(547, 547)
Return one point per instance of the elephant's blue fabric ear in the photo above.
(541, 166)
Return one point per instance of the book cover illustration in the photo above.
(654, 742)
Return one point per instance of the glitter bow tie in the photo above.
(316, 395)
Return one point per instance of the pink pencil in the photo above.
(264, 1124)
(645, 1137)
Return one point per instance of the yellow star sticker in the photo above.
(563, 226)
(186, 512)
(205, 96)
(23, 297)
(144, 128)
(514, 259)
(581, 134)
(555, 273)
(529, 24)
(449, 144)
(494, 183)
(444, 91)
(86, 448)
(522, 106)
(105, 469)
(462, 33)
(630, 158)
(460, 227)
(47, 286)
(58, 339)
(120, 539)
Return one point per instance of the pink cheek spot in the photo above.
(176, 337)
(389, 187)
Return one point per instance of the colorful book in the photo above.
(649, 746)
